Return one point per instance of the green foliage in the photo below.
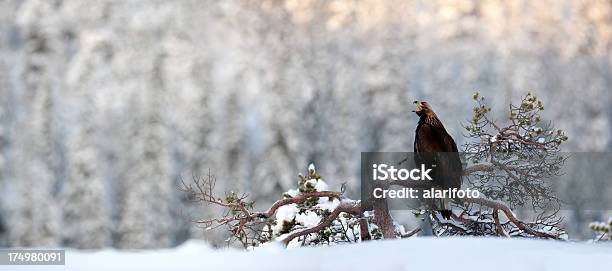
(603, 230)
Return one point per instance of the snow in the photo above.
(284, 213)
(321, 186)
(329, 205)
(421, 253)
(293, 193)
(308, 219)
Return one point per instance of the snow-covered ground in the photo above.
(409, 254)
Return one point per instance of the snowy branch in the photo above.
(346, 206)
(270, 212)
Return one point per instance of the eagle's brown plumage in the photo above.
(434, 146)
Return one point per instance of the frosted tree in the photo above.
(274, 72)
(86, 220)
(145, 218)
(8, 58)
(193, 145)
(146, 188)
(37, 133)
(206, 123)
(146, 215)
(187, 70)
(85, 201)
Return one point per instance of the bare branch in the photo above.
(411, 233)
(510, 215)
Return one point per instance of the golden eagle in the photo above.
(435, 148)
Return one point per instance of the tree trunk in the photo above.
(383, 219)
(364, 231)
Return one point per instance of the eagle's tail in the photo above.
(445, 210)
(446, 213)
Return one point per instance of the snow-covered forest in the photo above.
(105, 105)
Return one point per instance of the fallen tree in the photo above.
(508, 164)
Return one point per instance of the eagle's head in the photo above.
(422, 108)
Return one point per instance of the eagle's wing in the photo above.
(433, 145)
(447, 142)
(426, 146)
(429, 139)
(450, 162)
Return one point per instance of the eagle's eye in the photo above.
(416, 102)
